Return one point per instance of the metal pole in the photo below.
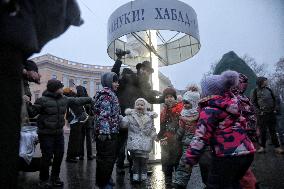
(156, 86)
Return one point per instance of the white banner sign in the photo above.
(141, 15)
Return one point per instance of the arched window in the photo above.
(98, 86)
(71, 83)
(85, 84)
(53, 76)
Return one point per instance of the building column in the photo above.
(65, 81)
(92, 88)
(78, 82)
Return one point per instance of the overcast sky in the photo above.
(253, 27)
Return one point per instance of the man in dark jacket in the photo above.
(51, 108)
(25, 27)
(81, 123)
(264, 101)
(131, 87)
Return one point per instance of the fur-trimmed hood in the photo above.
(141, 130)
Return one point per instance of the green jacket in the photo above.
(264, 100)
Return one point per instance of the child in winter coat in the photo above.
(141, 134)
(220, 126)
(247, 111)
(107, 112)
(171, 148)
(185, 133)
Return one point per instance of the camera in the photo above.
(121, 53)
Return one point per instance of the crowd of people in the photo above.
(215, 125)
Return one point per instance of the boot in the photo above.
(108, 186)
(168, 181)
(91, 157)
(144, 177)
(44, 185)
(72, 160)
(261, 150)
(56, 182)
(111, 182)
(279, 150)
(120, 171)
(135, 178)
(178, 186)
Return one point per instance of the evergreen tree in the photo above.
(231, 61)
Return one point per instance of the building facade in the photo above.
(72, 74)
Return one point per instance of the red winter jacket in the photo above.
(169, 121)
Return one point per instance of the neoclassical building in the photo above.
(73, 73)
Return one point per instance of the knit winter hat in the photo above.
(108, 78)
(170, 91)
(53, 85)
(219, 84)
(192, 97)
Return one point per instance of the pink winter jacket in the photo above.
(219, 126)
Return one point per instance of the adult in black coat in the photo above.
(80, 119)
(131, 87)
(87, 128)
(25, 27)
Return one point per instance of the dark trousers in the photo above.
(10, 115)
(280, 127)
(264, 122)
(122, 141)
(205, 165)
(171, 155)
(74, 140)
(106, 157)
(52, 147)
(139, 166)
(86, 134)
(226, 172)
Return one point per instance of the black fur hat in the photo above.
(146, 65)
